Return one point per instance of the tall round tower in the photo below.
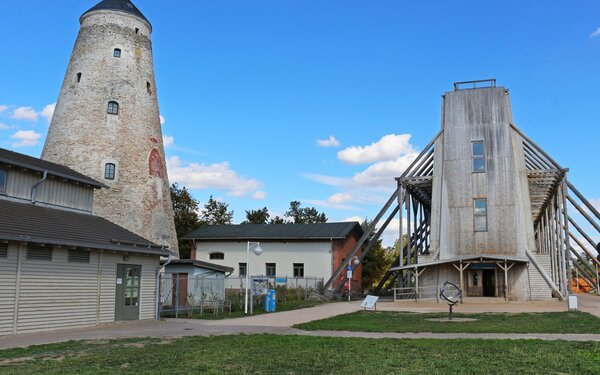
(107, 124)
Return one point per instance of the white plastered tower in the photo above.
(107, 123)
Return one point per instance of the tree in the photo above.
(216, 213)
(306, 215)
(185, 210)
(377, 261)
(278, 220)
(257, 216)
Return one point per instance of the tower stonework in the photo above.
(107, 123)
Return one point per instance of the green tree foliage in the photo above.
(306, 215)
(257, 216)
(216, 213)
(278, 220)
(376, 262)
(185, 210)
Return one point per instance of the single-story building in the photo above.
(290, 251)
(60, 265)
(190, 281)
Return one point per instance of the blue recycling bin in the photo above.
(271, 301)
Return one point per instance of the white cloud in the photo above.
(25, 138)
(162, 120)
(389, 147)
(354, 218)
(383, 173)
(25, 113)
(4, 126)
(217, 176)
(3, 108)
(168, 141)
(595, 34)
(48, 111)
(259, 195)
(596, 203)
(339, 201)
(329, 142)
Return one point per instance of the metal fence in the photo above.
(182, 294)
(420, 293)
(306, 283)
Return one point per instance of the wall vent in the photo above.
(35, 252)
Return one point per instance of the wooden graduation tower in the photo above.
(486, 208)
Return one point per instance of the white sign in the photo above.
(119, 281)
(349, 274)
(370, 302)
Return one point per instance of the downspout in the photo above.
(34, 187)
(158, 270)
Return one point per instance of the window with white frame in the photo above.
(298, 269)
(216, 256)
(242, 269)
(270, 269)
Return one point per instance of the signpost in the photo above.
(349, 277)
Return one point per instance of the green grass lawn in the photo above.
(258, 310)
(274, 354)
(384, 321)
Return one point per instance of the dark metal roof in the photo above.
(27, 222)
(124, 6)
(320, 231)
(465, 258)
(39, 165)
(201, 264)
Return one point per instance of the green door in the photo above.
(127, 304)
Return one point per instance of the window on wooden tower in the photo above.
(113, 108)
(109, 171)
(117, 53)
(78, 77)
(2, 181)
(480, 213)
(478, 153)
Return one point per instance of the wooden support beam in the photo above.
(583, 200)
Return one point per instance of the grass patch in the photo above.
(258, 310)
(386, 321)
(274, 354)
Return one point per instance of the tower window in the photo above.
(149, 88)
(137, 31)
(113, 108)
(478, 154)
(2, 181)
(117, 53)
(78, 77)
(480, 213)
(109, 171)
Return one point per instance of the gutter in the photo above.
(34, 187)
(158, 270)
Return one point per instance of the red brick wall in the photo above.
(341, 250)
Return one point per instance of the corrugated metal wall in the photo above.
(52, 191)
(58, 294)
(8, 279)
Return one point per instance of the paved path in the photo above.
(281, 323)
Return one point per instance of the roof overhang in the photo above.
(479, 258)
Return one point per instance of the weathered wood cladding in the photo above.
(52, 191)
(478, 115)
(48, 295)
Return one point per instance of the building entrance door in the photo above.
(489, 283)
(127, 303)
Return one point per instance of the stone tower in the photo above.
(107, 124)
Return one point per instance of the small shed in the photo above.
(188, 282)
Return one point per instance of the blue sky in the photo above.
(248, 88)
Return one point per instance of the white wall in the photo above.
(316, 257)
(48, 295)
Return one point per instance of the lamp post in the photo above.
(356, 262)
(257, 250)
